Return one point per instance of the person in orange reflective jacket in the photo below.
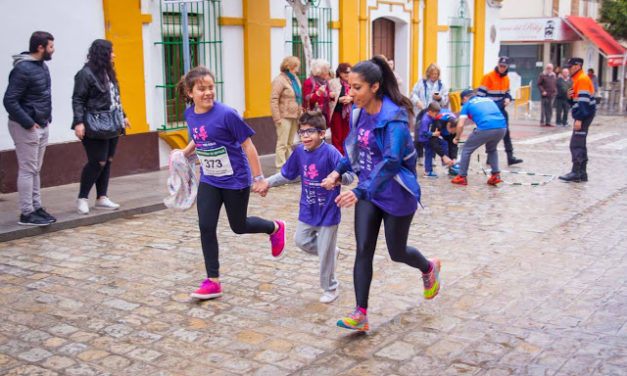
(495, 85)
(581, 97)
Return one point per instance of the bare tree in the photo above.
(300, 8)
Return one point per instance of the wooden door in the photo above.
(383, 38)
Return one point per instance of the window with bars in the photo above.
(318, 20)
(459, 48)
(205, 48)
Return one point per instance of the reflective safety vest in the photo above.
(495, 87)
(583, 101)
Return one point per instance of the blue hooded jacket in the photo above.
(395, 142)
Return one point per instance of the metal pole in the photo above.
(185, 36)
(621, 101)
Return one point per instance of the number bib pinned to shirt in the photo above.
(215, 162)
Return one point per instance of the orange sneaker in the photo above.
(495, 179)
(461, 180)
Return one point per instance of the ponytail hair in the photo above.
(378, 70)
(187, 82)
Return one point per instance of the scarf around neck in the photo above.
(296, 87)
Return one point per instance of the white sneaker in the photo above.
(329, 296)
(82, 206)
(105, 203)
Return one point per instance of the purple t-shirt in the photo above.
(317, 204)
(218, 135)
(392, 198)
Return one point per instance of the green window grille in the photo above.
(205, 48)
(319, 22)
(459, 47)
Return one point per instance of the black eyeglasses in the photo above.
(308, 131)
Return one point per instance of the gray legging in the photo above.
(489, 137)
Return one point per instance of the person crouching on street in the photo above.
(491, 127)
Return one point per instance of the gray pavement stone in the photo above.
(533, 283)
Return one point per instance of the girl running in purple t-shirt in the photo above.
(222, 142)
(379, 148)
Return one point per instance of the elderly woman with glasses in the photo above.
(285, 103)
(341, 106)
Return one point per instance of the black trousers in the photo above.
(97, 170)
(368, 219)
(578, 148)
(209, 202)
(507, 140)
(561, 111)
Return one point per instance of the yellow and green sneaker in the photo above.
(354, 321)
(431, 280)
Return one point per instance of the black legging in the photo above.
(209, 202)
(367, 223)
(98, 167)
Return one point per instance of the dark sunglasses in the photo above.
(308, 131)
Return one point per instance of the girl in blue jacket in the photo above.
(380, 150)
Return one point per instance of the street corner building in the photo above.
(243, 42)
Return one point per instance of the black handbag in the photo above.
(103, 125)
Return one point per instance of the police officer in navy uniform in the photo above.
(581, 98)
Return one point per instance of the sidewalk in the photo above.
(136, 194)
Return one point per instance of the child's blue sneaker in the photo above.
(453, 170)
(430, 175)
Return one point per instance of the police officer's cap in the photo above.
(574, 61)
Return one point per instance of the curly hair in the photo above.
(99, 61)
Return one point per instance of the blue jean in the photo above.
(429, 153)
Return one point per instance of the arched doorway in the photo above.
(383, 31)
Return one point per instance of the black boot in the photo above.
(574, 175)
(511, 160)
(583, 174)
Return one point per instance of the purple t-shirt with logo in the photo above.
(317, 204)
(218, 135)
(392, 198)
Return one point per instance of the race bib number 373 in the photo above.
(215, 162)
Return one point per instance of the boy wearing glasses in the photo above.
(319, 216)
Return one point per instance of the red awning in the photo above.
(593, 31)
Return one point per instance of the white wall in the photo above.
(74, 25)
(528, 8)
(491, 53)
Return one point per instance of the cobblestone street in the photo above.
(533, 279)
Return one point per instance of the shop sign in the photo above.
(535, 30)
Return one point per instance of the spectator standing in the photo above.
(285, 104)
(341, 106)
(428, 89)
(547, 84)
(595, 83)
(96, 89)
(316, 92)
(28, 101)
(561, 100)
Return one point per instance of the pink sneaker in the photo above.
(208, 290)
(278, 240)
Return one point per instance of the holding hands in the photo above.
(331, 181)
(261, 187)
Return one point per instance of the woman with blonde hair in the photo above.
(285, 103)
(430, 89)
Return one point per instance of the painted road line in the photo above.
(592, 138)
(538, 140)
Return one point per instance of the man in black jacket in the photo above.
(29, 104)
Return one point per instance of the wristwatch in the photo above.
(258, 178)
